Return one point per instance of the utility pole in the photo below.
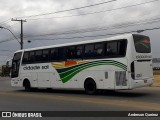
(21, 35)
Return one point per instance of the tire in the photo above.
(27, 86)
(90, 87)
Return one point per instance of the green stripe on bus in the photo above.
(69, 68)
(63, 74)
(100, 62)
(67, 73)
(68, 77)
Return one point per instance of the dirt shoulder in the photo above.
(156, 81)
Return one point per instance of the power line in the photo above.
(10, 54)
(104, 34)
(99, 11)
(12, 25)
(96, 29)
(96, 12)
(91, 13)
(4, 22)
(6, 55)
(107, 10)
(146, 21)
(7, 40)
(92, 5)
(7, 50)
(83, 26)
(3, 41)
(3, 61)
(148, 29)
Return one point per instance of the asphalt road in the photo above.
(16, 99)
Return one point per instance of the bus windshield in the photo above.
(15, 65)
(142, 44)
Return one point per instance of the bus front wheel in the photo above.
(27, 85)
(90, 86)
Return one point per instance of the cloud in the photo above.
(19, 8)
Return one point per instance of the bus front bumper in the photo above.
(16, 83)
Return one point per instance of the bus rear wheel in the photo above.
(90, 87)
(27, 85)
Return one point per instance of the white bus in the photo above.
(120, 62)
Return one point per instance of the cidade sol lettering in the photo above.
(31, 68)
(35, 67)
(45, 67)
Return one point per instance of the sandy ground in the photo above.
(156, 78)
(156, 81)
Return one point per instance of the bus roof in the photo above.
(124, 36)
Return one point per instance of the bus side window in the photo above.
(111, 49)
(32, 57)
(57, 54)
(99, 49)
(89, 51)
(61, 54)
(45, 55)
(54, 54)
(70, 52)
(122, 45)
(38, 57)
(25, 57)
(79, 52)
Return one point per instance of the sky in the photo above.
(48, 24)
